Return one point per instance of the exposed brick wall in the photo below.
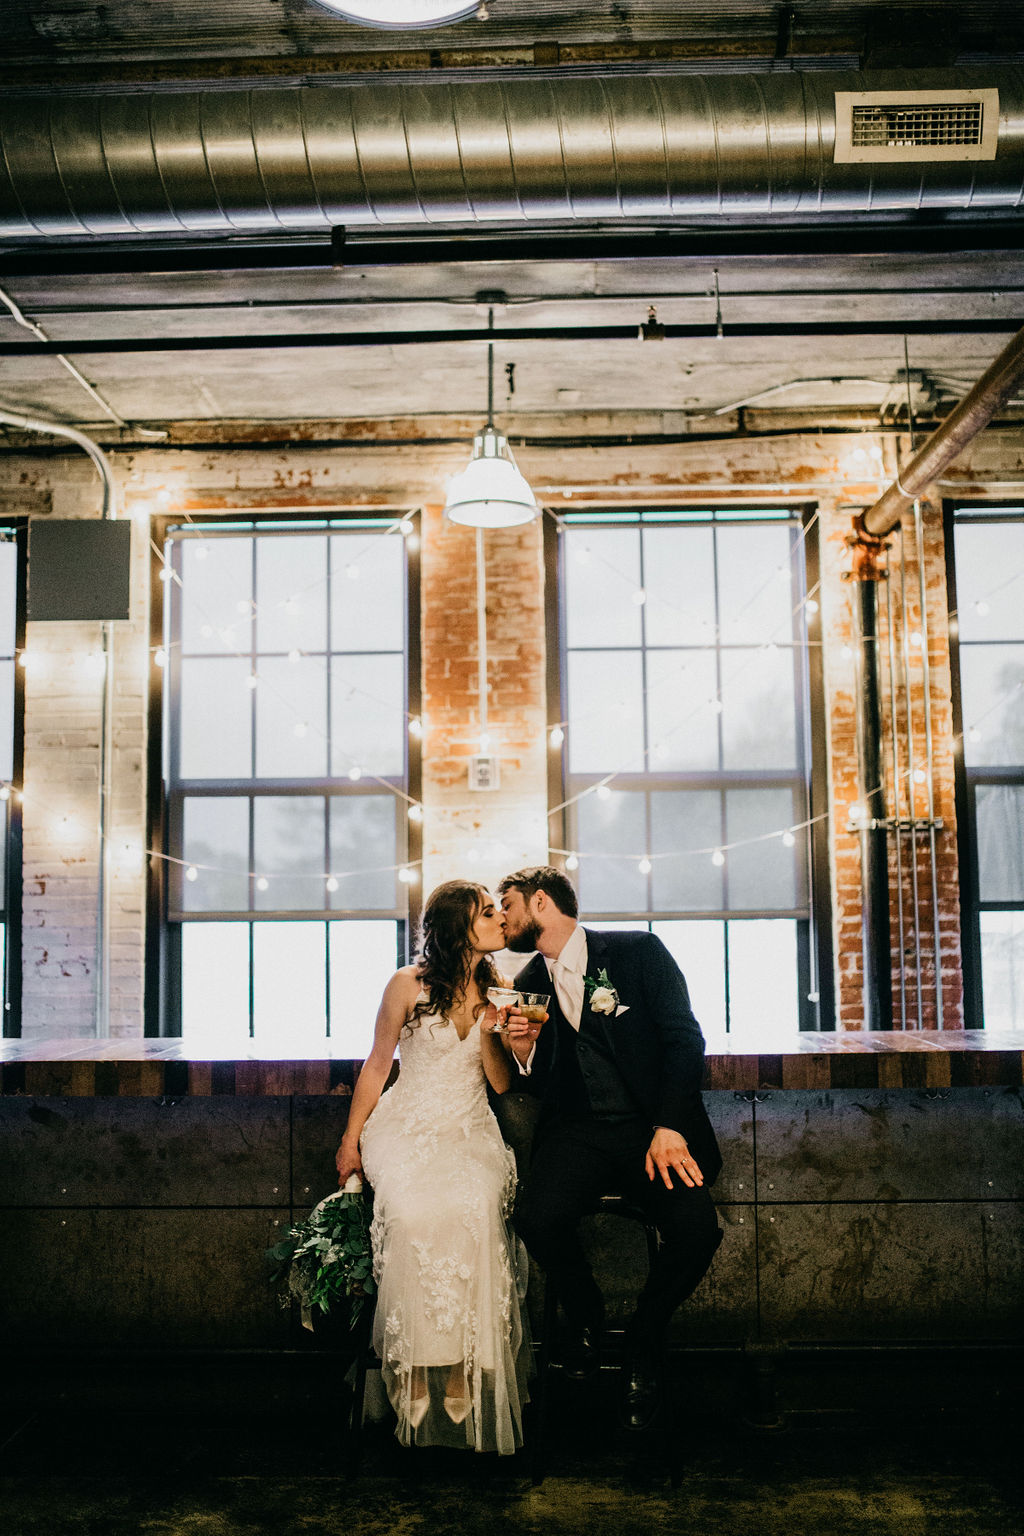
(482, 834)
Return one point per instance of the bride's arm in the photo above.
(493, 1053)
(399, 996)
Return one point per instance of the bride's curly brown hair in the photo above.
(444, 959)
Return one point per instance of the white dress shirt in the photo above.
(566, 973)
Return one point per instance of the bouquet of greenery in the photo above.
(326, 1261)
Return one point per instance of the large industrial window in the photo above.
(688, 707)
(12, 640)
(286, 772)
(987, 598)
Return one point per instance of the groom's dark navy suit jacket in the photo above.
(655, 1043)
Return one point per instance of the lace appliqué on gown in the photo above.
(451, 1273)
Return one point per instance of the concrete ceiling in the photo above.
(945, 302)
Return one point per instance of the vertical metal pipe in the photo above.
(911, 795)
(896, 794)
(930, 779)
(481, 632)
(875, 940)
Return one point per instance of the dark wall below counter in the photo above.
(852, 1215)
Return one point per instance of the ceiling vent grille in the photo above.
(902, 126)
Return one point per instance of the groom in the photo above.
(618, 1069)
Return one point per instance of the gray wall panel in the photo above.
(883, 1271)
(118, 1279)
(147, 1152)
(318, 1125)
(898, 1144)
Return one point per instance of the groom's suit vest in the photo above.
(590, 1084)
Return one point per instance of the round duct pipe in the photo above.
(617, 148)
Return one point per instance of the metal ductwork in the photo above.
(465, 153)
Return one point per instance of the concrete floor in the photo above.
(866, 1447)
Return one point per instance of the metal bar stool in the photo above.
(605, 1205)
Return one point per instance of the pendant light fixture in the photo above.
(490, 492)
(401, 13)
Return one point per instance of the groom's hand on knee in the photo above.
(668, 1154)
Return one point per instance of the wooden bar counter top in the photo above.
(746, 1062)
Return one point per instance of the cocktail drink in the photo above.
(534, 1005)
(505, 999)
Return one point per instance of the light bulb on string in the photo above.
(5, 791)
(244, 606)
(572, 862)
(811, 605)
(920, 777)
(406, 526)
(716, 706)
(262, 883)
(159, 657)
(974, 734)
(253, 680)
(300, 728)
(407, 875)
(788, 838)
(191, 873)
(981, 608)
(644, 866)
(639, 597)
(916, 638)
(718, 858)
(416, 813)
(206, 630)
(355, 773)
(603, 792)
(415, 725)
(294, 656)
(352, 572)
(556, 736)
(166, 573)
(332, 884)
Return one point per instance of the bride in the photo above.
(450, 1321)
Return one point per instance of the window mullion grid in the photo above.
(645, 732)
(720, 738)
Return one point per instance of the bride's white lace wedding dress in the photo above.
(451, 1272)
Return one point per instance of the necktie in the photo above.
(568, 990)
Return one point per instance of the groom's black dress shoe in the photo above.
(581, 1355)
(642, 1391)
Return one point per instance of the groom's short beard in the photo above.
(525, 941)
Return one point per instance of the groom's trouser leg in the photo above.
(567, 1173)
(688, 1227)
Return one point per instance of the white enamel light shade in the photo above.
(400, 13)
(490, 492)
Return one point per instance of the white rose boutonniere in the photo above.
(601, 995)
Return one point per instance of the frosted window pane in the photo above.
(606, 827)
(602, 574)
(1002, 969)
(291, 593)
(698, 948)
(763, 975)
(3, 954)
(368, 715)
(622, 925)
(1000, 810)
(761, 874)
(288, 834)
(6, 720)
(216, 719)
(990, 573)
(362, 962)
(363, 852)
(216, 840)
(755, 593)
(605, 712)
(216, 576)
(758, 709)
(682, 879)
(992, 687)
(682, 726)
(291, 719)
(215, 984)
(8, 595)
(367, 609)
(679, 579)
(289, 977)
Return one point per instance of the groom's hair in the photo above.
(543, 877)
